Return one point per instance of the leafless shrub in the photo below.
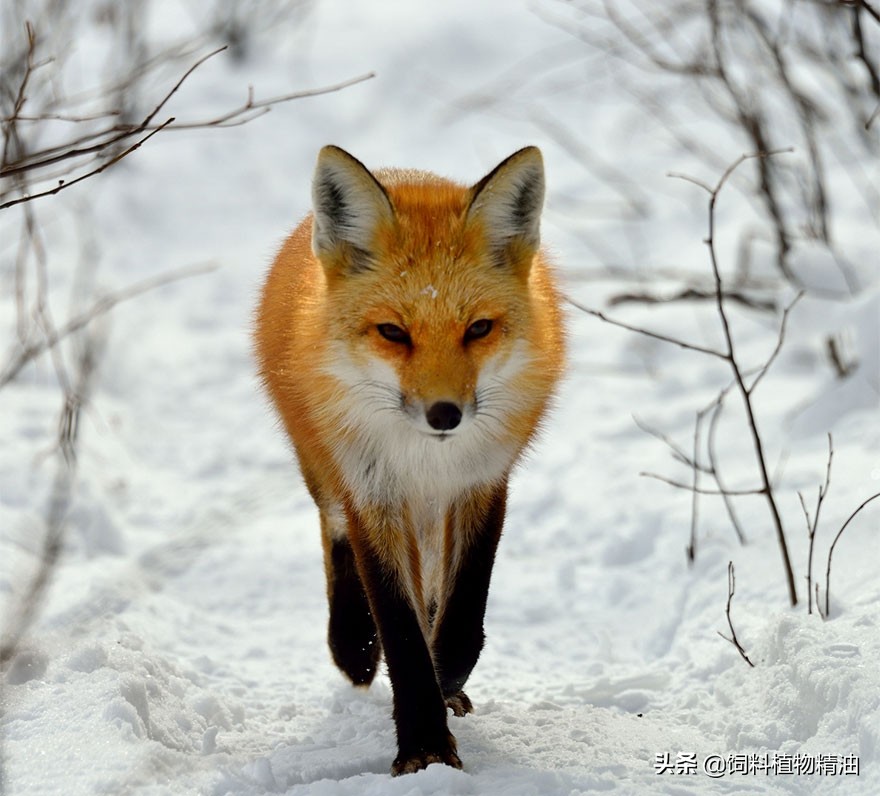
(763, 76)
(104, 143)
(100, 306)
(75, 396)
(801, 74)
(52, 144)
(812, 528)
(54, 139)
(744, 383)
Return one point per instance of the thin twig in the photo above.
(117, 134)
(101, 306)
(692, 461)
(42, 311)
(678, 453)
(780, 338)
(263, 106)
(174, 89)
(703, 490)
(831, 552)
(103, 167)
(752, 121)
(111, 136)
(731, 587)
(713, 463)
(695, 495)
(645, 332)
(861, 50)
(693, 294)
(28, 606)
(842, 367)
(10, 125)
(813, 525)
(101, 141)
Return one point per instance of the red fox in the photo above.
(410, 336)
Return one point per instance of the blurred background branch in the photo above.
(58, 134)
(800, 74)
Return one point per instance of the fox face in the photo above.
(428, 296)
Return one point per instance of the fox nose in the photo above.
(443, 416)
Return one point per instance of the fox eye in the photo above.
(478, 329)
(393, 333)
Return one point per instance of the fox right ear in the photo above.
(507, 204)
(349, 204)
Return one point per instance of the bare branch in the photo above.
(264, 106)
(813, 524)
(780, 338)
(10, 133)
(695, 494)
(731, 586)
(694, 294)
(28, 606)
(116, 134)
(103, 167)
(715, 409)
(647, 333)
(831, 551)
(678, 453)
(842, 367)
(100, 307)
(703, 490)
(99, 142)
(861, 52)
(757, 441)
(111, 136)
(174, 89)
(675, 175)
(729, 356)
(752, 122)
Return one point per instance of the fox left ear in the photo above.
(349, 205)
(507, 203)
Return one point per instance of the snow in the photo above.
(182, 645)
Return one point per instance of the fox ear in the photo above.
(507, 203)
(348, 204)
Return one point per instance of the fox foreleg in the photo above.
(423, 736)
(458, 628)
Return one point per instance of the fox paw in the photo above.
(409, 763)
(459, 703)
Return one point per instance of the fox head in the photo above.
(430, 297)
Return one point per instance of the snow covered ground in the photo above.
(181, 649)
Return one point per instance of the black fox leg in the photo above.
(419, 709)
(354, 641)
(458, 632)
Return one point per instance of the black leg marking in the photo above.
(459, 637)
(419, 708)
(352, 634)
